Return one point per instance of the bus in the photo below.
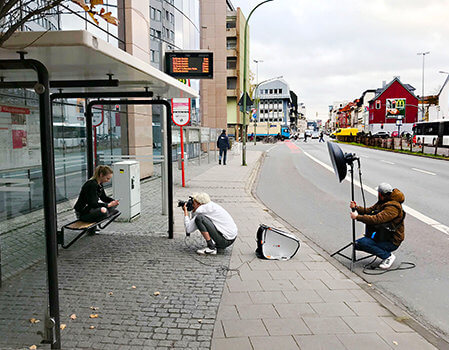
(435, 133)
(312, 125)
(69, 135)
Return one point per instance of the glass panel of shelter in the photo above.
(23, 287)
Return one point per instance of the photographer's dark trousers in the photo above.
(380, 249)
(205, 224)
(222, 155)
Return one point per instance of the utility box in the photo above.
(126, 187)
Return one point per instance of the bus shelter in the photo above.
(56, 65)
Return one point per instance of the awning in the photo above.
(79, 55)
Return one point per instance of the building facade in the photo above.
(213, 92)
(273, 102)
(235, 28)
(394, 104)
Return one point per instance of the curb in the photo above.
(400, 314)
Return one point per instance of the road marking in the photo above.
(271, 148)
(386, 161)
(410, 211)
(424, 171)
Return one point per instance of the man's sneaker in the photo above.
(207, 251)
(386, 263)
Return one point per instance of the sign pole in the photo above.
(182, 159)
(181, 117)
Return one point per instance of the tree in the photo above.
(15, 13)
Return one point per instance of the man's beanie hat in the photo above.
(384, 188)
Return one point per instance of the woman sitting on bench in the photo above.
(93, 204)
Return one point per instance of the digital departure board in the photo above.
(189, 65)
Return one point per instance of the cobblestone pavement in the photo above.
(101, 272)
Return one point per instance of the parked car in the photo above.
(308, 133)
(381, 134)
(394, 134)
(315, 135)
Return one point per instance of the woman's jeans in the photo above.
(381, 249)
(95, 215)
(205, 224)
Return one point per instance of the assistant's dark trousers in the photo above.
(205, 224)
(222, 154)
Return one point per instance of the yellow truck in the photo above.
(345, 134)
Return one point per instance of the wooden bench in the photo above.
(84, 227)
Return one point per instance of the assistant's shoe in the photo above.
(386, 263)
(219, 162)
(207, 251)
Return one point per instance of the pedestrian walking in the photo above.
(321, 137)
(223, 146)
(305, 136)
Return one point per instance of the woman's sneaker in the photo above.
(207, 251)
(386, 263)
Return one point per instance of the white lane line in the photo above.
(424, 218)
(424, 171)
(386, 161)
(268, 150)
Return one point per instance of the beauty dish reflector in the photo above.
(338, 160)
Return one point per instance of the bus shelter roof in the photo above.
(79, 55)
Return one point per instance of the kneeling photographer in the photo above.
(213, 221)
(384, 224)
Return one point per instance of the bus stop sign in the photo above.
(180, 108)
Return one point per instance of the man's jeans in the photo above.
(205, 224)
(380, 249)
(222, 154)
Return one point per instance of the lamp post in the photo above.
(422, 92)
(257, 69)
(245, 59)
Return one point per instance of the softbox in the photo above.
(338, 160)
(275, 244)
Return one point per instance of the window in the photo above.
(152, 13)
(158, 33)
(280, 91)
(167, 15)
(231, 63)
(378, 104)
(230, 24)
(271, 91)
(231, 43)
(158, 15)
(172, 18)
(231, 83)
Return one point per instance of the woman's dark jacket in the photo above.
(91, 192)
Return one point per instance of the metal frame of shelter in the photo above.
(42, 87)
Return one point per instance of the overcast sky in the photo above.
(333, 50)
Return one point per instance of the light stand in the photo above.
(339, 162)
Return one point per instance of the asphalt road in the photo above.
(296, 183)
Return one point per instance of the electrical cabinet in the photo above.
(126, 187)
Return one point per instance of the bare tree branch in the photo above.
(14, 26)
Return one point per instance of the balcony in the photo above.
(231, 32)
(231, 93)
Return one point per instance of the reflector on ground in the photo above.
(275, 244)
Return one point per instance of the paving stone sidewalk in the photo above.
(304, 303)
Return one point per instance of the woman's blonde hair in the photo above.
(101, 170)
(201, 198)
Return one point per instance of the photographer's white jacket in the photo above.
(219, 216)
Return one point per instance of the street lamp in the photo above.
(422, 93)
(245, 63)
(257, 69)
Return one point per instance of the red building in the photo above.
(394, 106)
